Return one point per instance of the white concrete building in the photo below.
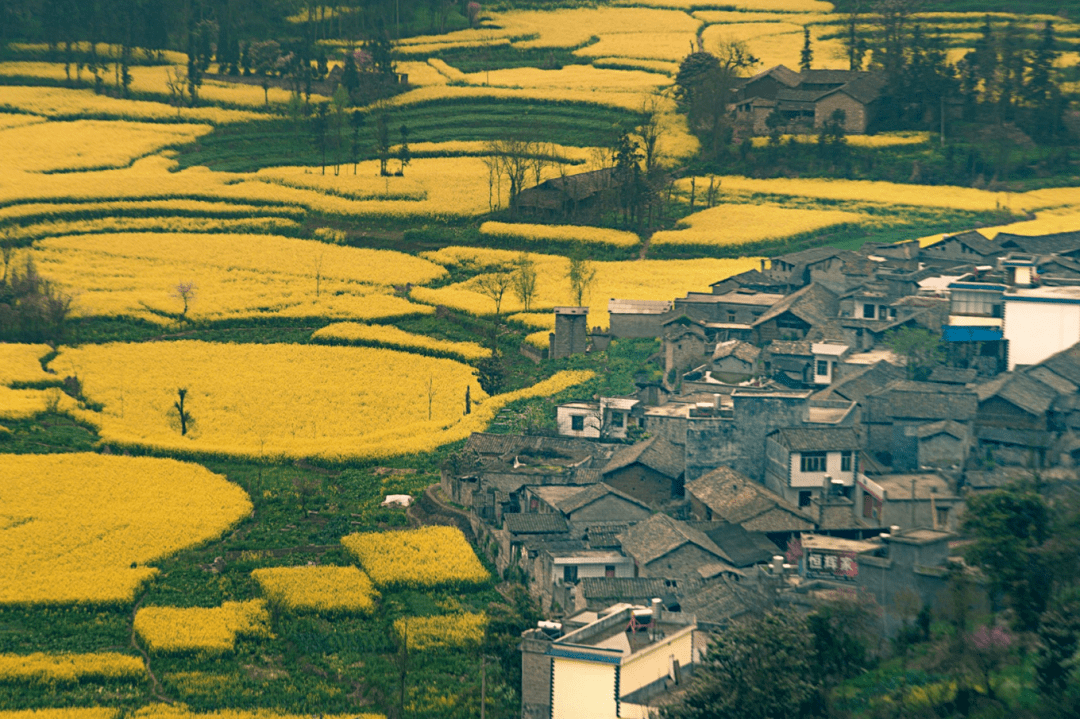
(1040, 322)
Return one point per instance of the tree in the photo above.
(264, 57)
(525, 280)
(854, 44)
(494, 284)
(339, 101)
(491, 373)
(32, 309)
(582, 276)
(1007, 526)
(382, 142)
(320, 130)
(759, 668)
(512, 158)
(181, 411)
(806, 57)
(350, 75)
(921, 348)
(1059, 641)
(356, 120)
(185, 291)
(403, 150)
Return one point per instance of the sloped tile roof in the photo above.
(717, 603)
(814, 304)
(737, 348)
(660, 535)
(737, 499)
(622, 588)
(592, 493)
(656, 453)
(1058, 242)
(535, 523)
(744, 548)
(865, 380)
(817, 439)
(922, 400)
(953, 375)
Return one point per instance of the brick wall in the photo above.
(641, 483)
(857, 115)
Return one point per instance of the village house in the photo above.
(908, 500)
(637, 318)
(814, 307)
(902, 405)
(1039, 322)
(665, 547)
(651, 470)
(581, 505)
(736, 360)
(799, 460)
(808, 99)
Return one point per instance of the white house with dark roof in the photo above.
(798, 461)
(1040, 322)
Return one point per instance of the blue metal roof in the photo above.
(971, 334)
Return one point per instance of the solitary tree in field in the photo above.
(403, 150)
(494, 285)
(807, 55)
(320, 128)
(181, 411)
(525, 280)
(582, 276)
(185, 291)
(382, 142)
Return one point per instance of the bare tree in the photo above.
(181, 411)
(525, 280)
(582, 276)
(186, 292)
(494, 284)
(513, 159)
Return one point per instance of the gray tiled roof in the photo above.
(623, 588)
(717, 603)
(817, 439)
(659, 535)
(1028, 393)
(1065, 363)
(1058, 242)
(744, 548)
(737, 499)
(590, 494)
(944, 426)
(922, 400)
(953, 375)
(814, 304)
(656, 453)
(741, 350)
(534, 523)
(797, 348)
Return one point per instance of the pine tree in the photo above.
(807, 55)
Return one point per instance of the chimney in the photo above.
(763, 264)
(777, 564)
(912, 502)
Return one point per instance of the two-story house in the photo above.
(797, 461)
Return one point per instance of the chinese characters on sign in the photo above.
(832, 566)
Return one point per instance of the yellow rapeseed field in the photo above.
(38, 211)
(885, 139)
(639, 279)
(390, 336)
(64, 713)
(67, 667)
(23, 403)
(318, 589)
(727, 224)
(57, 228)
(180, 711)
(82, 527)
(755, 6)
(1065, 219)
(284, 400)
(667, 68)
(560, 233)
(450, 73)
(213, 630)
(426, 557)
(420, 73)
(670, 46)
(888, 193)
(453, 630)
(89, 144)
(8, 120)
(154, 79)
(19, 363)
(64, 102)
(137, 274)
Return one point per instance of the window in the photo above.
(577, 422)
(730, 316)
(569, 573)
(942, 517)
(618, 419)
(845, 461)
(812, 462)
(868, 311)
(534, 504)
(974, 302)
(804, 498)
(609, 571)
(822, 367)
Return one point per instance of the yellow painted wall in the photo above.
(583, 690)
(654, 663)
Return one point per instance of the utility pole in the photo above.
(942, 113)
(483, 684)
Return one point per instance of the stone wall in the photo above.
(638, 325)
(641, 483)
(857, 119)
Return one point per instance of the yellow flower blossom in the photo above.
(63, 713)
(64, 102)
(426, 557)
(67, 667)
(318, 589)
(180, 711)
(725, 225)
(82, 527)
(560, 233)
(637, 279)
(89, 144)
(454, 630)
(256, 400)
(213, 630)
(390, 336)
(20, 363)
